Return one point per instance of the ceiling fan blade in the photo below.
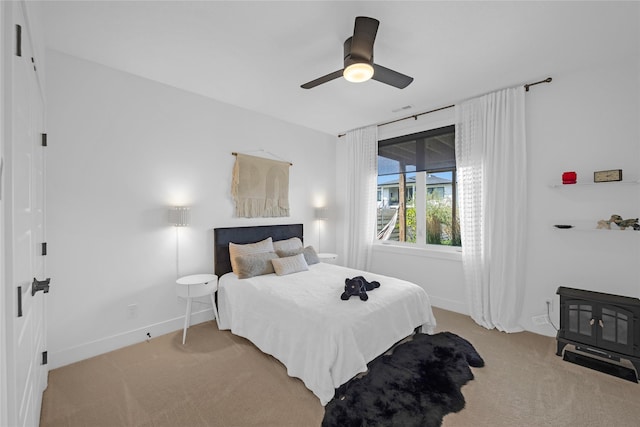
(390, 77)
(323, 79)
(364, 34)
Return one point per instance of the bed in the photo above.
(300, 319)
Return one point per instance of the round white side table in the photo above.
(327, 257)
(196, 285)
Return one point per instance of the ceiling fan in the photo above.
(358, 59)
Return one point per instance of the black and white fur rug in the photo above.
(416, 385)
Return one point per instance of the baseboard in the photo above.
(114, 342)
(451, 305)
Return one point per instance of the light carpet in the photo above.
(217, 379)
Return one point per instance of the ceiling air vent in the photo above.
(406, 107)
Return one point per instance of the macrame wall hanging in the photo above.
(260, 186)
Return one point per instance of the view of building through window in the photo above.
(417, 188)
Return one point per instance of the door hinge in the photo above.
(33, 61)
(19, 301)
(43, 247)
(45, 358)
(18, 40)
(44, 139)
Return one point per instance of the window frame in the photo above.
(421, 245)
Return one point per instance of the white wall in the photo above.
(121, 150)
(585, 120)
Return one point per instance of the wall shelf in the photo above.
(591, 226)
(594, 184)
(578, 228)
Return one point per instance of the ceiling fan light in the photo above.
(358, 72)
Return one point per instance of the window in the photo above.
(417, 188)
(437, 190)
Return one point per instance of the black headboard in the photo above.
(243, 235)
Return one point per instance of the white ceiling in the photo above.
(256, 55)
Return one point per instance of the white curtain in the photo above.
(491, 167)
(361, 177)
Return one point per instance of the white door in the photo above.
(24, 225)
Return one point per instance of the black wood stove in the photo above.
(603, 325)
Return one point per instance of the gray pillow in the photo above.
(310, 255)
(290, 264)
(236, 250)
(255, 264)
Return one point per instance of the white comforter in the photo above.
(325, 341)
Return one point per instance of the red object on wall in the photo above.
(569, 178)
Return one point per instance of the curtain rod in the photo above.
(415, 116)
(284, 161)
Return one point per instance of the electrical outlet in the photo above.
(132, 311)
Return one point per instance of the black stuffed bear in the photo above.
(369, 286)
(354, 287)
(358, 286)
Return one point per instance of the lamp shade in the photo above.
(180, 216)
(358, 72)
(322, 213)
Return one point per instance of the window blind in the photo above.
(430, 151)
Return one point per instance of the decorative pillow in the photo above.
(290, 264)
(310, 255)
(236, 250)
(287, 245)
(255, 264)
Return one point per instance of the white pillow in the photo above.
(290, 264)
(236, 250)
(287, 245)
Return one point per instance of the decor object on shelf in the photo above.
(624, 223)
(607, 175)
(603, 224)
(569, 178)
